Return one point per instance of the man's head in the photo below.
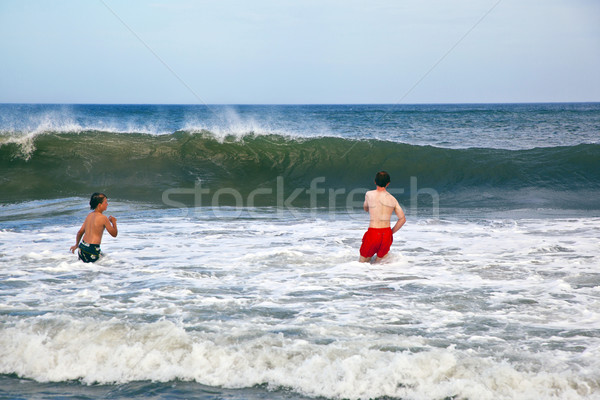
(96, 200)
(382, 179)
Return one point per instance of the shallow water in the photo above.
(464, 306)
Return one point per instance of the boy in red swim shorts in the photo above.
(380, 205)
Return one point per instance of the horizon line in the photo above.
(303, 104)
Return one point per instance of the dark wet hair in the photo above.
(96, 199)
(382, 178)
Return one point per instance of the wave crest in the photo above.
(114, 352)
(142, 166)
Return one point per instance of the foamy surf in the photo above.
(113, 352)
(487, 309)
(235, 273)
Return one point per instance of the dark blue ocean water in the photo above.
(473, 156)
(505, 126)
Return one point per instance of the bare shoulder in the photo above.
(372, 197)
(97, 218)
(398, 206)
(388, 199)
(370, 192)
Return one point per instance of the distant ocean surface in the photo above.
(235, 274)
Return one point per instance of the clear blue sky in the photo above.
(291, 52)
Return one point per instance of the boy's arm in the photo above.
(111, 226)
(78, 238)
(401, 218)
(366, 203)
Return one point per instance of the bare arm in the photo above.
(78, 238)
(401, 218)
(111, 226)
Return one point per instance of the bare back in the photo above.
(93, 226)
(381, 205)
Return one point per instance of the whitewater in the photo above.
(491, 290)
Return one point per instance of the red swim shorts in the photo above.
(376, 240)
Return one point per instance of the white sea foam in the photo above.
(227, 124)
(115, 351)
(25, 135)
(223, 124)
(64, 119)
(484, 308)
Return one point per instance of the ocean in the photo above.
(235, 273)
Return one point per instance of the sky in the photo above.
(299, 52)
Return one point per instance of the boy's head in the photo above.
(96, 200)
(382, 178)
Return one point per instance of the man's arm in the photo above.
(111, 226)
(401, 218)
(366, 203)
(78, 238)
